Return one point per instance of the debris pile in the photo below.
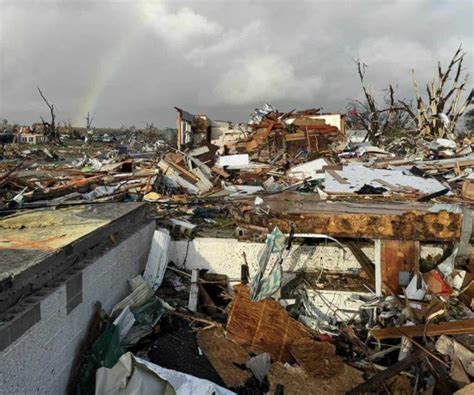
(300, 151)
(400, 322)
(281, 330)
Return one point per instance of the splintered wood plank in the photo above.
(379, 379)
(263, 326)
(397, 256)
(220, 171)
(444, 328)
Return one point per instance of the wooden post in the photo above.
(179, 125)
(193, 293)
(393, 257)
(307, 140)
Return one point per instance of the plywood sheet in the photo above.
(398, 256)
(223, 355)
(263, 326)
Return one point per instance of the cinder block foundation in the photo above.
(54, 320)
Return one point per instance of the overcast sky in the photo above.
(131, 62)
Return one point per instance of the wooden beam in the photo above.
(368, 219)
(339, 179)
(442, 226)
(444, 328)
(380, 378)
(220, 171)
(364, 261)
(194, 291)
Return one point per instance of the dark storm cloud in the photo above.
(131, 62)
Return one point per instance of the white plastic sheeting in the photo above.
(357, 176)
(132, 375)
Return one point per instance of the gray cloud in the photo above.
(131, 62)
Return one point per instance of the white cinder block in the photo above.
(41, 359)
(12, 364)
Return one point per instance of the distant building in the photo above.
(32, 138)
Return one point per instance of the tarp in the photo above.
(106, 352)
(264, 286)
(132, 375)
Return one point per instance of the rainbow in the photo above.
(110, 64)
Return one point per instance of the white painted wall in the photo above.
(39, 362)
(225, 256)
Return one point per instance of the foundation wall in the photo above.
(54, 321)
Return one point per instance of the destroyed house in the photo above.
(291, 133)
(192, 129)
(196, 130)
(308, 130)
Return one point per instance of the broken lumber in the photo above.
(380, 378)
(364, 261)
(193, 293)
(444, 328)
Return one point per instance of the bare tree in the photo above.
(50, 129)
(437, 117)
(381, 124)
(89, 119)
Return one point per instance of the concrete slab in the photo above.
(37, 246)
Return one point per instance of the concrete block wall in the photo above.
(40, 359)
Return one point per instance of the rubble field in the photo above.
(289, 257)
